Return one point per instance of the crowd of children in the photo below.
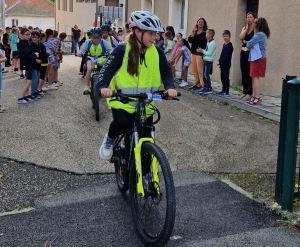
(180, 48)
(38, 54)
(34, 55)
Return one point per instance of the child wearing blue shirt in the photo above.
(225, 63)
(209, 55)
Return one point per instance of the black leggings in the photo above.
(123, 122)
(83, 60)
(7, 55)
(245, 69)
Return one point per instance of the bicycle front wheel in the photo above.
(153, 213)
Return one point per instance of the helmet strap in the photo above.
(143, 48)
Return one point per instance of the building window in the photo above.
(37, 23)
(65, 5)
(52, 24)
(15, 22)
(181, 14)
(71, 5)
(58, 4)
(148, 5)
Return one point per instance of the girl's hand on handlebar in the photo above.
(172, 93)
(106, 92)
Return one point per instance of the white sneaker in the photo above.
(56, 84)
(52, 87)
(45, 88)
(106, 149)
(86, 90)
(183, 84)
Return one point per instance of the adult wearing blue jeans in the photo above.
(76, 34)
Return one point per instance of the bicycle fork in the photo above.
(138, 164)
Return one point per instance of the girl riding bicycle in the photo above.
(137, 66)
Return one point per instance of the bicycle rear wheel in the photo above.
(121, 168)
(153, 214)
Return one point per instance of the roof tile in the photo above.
(41, 8)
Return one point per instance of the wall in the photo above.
(283, 46)
(46, 22)
(161, 9)
(283, 20)
(133, 5)
(220, 15)
(83, 14)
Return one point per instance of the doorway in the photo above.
(252, 6)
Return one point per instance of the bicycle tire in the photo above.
(96, 102)
(121, 170)
(92, 92)
(156, 229)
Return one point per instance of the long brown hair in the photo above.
(133, 55)
(261, 25)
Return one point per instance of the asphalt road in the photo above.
(209, 213)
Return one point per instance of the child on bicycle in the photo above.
(95, 47)
(138, 66)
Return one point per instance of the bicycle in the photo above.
(149, 179)
(94, 96)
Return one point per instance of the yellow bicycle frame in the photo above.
(138, 166)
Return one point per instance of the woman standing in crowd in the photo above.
(76, 34)
(258, 67)
(246, 34)
(198, 40)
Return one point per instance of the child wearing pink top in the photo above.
(174, 52)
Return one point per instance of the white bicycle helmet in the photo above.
(145, 20)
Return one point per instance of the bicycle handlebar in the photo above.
(125, 98)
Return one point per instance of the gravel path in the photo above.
(59, 131)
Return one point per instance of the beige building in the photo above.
(282, 48)
(81, 12)
(36, 13)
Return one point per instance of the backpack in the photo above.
(102, 46)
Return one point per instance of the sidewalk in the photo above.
(270, 107)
